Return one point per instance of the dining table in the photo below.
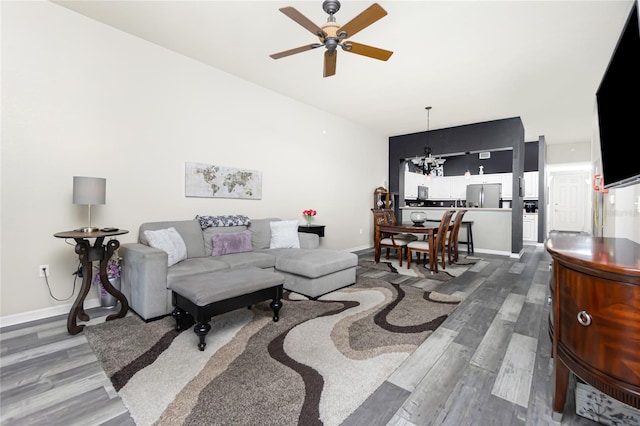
(429, 230)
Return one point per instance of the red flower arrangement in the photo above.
(308, 215)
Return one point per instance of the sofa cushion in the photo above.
(170, 241)
(264, 259)
(313, 263)
(189, 230)
(261, 232)
(284, 234)
(191, 267)
(237, 242)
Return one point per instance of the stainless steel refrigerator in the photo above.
(484, 195)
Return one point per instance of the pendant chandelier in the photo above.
(428, 162)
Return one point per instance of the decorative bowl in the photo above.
(418, 218)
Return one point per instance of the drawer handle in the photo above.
(584, 318)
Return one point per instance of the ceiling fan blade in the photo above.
(330, 59)
(363, 20)
(296, 50)
(303, 20)
(363, 49)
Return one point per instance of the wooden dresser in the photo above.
(595, 315)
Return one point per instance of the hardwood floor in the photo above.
(487, 364)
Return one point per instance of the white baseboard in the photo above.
(44, 313)
(359, 248)
(489, 251)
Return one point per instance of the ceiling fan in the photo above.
(332, 34)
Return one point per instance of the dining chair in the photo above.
(451, 242)
(390, 240)
(439, 245)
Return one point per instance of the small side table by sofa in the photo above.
(87, 254)
(312, 229)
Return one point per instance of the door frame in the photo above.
(584, 169)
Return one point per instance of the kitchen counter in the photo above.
(491, 226)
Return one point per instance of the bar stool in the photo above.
(451, 242)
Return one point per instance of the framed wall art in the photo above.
(206, 180)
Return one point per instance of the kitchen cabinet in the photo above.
(507, 185)
(439, 188)
(530, 185)
(411, 183)
(458, 187)
(455, 187)
(486, 178)
(447, 188)
(530, 227)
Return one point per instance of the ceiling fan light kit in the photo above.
(331, 34)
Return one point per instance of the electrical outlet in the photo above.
(42, 269)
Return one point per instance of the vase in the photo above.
(418, 217)
(107, 300)
(308, 218)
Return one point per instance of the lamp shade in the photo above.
(89, 190)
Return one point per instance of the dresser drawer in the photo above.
(600, 323)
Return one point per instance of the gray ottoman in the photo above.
(204, 296)
(314, 272)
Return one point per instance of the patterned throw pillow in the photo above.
(236, 242)
(170, 241)
(229, 220)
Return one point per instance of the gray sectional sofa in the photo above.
(147, 276)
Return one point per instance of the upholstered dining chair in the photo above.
(388, 240)
(451, 242)
(439, 246)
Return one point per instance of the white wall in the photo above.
(622, 213)
(81, 98)
(569, 153)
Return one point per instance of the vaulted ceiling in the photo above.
(472, 61)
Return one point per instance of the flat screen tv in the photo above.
(618, 110)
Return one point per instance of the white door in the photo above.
(569, 201)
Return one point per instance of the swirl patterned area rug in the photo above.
(313, 367)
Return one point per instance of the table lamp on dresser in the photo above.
(88, 191)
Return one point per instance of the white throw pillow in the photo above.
(170, 241)
(284, 234)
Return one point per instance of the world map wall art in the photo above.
(206, 180)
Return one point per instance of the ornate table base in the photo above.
(88, 254)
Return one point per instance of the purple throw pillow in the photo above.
(236, 242)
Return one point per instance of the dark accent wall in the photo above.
(500, 161)
(497, 135)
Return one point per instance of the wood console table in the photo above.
(88, 254)
(312, 229)
(595, 315)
